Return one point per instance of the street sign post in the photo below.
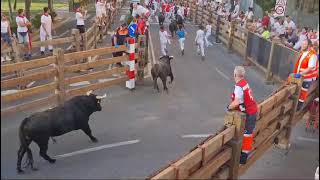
(280, 8)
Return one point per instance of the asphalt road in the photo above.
(142, 131)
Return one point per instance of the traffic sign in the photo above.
(132, 29)
(280, 7)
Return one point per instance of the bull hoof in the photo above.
(20, 171)
(95, 140)
(52, 161)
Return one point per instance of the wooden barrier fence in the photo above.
(218, 156)
(60, 73)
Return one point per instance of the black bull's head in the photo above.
(96, 100)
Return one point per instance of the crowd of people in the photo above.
(23, 35)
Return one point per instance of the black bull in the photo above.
(39, 127)
(162, 70)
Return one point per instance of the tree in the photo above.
(10, 10)
(27, 5)
(266, 5)
(50, 5)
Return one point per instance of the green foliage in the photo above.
(36, 21)
(266, 5)
(129, 19)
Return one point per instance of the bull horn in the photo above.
(101, 97)
(89, 92)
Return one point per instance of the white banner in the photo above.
(280, 8)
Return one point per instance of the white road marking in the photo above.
(122, 17)
(104, 80)
(30, 84)
(10, 91)
(83, 151)
(196, 135)
(80, 83)
(307, 139)
(222, 74)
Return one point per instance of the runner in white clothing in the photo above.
(208, 33)
(164, 39)
(200, 41)
(45, 29)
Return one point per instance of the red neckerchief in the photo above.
(20, 16)
(46, 14)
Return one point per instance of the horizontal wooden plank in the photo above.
(50, 73)
(83, 90)
(288, 106)
(28, 92)
(267, 105)
(47, 101)
(209, 169)
(186, 163)
(228, 133)
(212, 147)
(95, 75)
(266, 119)
(283, 122)
(264, 134)
(97, 63)
(28, 64)
(53, 42)
(168, 173)
(92, 52)
(223, 173)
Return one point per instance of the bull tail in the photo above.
(24, 147)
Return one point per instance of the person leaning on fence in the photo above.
(243, 100)
(307, 66)
(23, 25)
(120, 38)
(46, 29)
(6, 35)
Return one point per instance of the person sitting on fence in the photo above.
(80, 16)
(120, 38)
(242, 100)
(23, 25)
(6, 35)
(307, 66)
(46, 29)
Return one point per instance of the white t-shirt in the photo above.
(163, 36)
(249, 15)
(280, 29)
(290, 24)
(21, 20)
(199, 36)
(4, 26)
(236, 11)
(139, 10)
(238, 93)
(79, 18)
(208, 28)
(302, 37)
(47, 21)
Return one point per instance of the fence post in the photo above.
(231, 34)
(95, 35)
(284, 143)
(17, 58)
(76, 34)
(131, 72)
(142, 57)
(269, 74)
(59, 54)
(237, 119)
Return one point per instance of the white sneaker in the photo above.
(8, 58)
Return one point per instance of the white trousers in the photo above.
(43, 37)
(200, 47)
(181, 43)
(163, 47)
(208, 43)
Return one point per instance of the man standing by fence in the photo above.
(243, 100)
(306, 66)
(46, 29)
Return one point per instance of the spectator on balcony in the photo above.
(280, 29)
(249, 15)
(289, 23)
(23, 25)
(6, 35)
(266, 19)
(46, 29)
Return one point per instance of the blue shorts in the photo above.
(6, 38)
(250, 123)
(23, 37)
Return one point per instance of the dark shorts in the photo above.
(81, 28)
(6, 38)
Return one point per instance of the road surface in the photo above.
(142, 131)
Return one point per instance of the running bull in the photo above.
(162, 70)
(39, 127)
